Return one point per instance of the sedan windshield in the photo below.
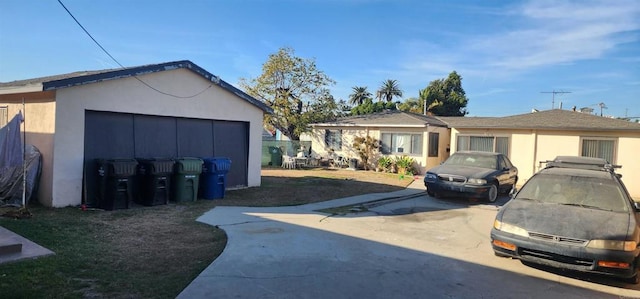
(472, 160)
(580, 191)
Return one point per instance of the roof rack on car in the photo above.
(581, 162)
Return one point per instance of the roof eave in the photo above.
(141, 70)
(547, 128)
(21, 89)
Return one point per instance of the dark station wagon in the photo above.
(574, 214)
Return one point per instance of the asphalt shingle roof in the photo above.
(555, 119)
(387, 118)
(88, 77)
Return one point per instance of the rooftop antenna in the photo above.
(602, 106)
(553, 97)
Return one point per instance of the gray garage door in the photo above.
(111, 135)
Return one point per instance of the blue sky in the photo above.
(507, 52)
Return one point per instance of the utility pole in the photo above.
(553, 97)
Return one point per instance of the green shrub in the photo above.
(404, 164)
(385, 163)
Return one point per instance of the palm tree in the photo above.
(388, 90)
(359, 95)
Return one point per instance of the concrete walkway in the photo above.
(26, 249)
(418, 247)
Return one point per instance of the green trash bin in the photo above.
(186, 178)
(276, 156)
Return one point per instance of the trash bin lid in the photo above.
(155, 166)
(188, 165)
(222, 164)
(121, 167)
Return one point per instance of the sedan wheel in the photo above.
(635, 279)
(493, 193)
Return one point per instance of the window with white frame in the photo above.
(333, 139)
(401, 143)
(483, 143)
(604, 148)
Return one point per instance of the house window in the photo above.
(333, 139)
(483, 143)
(434, 139)
(599, 148)
(401, 143)
(4, 116)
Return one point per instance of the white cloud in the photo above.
(537, 34)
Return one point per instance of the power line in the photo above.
(117, 62)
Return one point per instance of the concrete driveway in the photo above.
(419, 247)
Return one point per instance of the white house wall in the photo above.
(423, 162)
(128, 95)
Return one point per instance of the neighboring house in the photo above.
(527, 139)
(168, 110)
(423, 138)
(533, 137)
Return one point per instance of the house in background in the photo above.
(526, 139)
(530, 138)
(421, 137)
(171, 110)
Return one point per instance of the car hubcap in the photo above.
(493, 193)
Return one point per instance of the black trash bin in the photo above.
(154, 181)
(214, 177)
(116, 179)
(186, 179)
(276, 156)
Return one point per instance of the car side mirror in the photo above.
(636, 205)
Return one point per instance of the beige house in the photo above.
(423, 138)
(533, 137)
(170, 110)
(527, 139)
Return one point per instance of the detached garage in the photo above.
(169, 110)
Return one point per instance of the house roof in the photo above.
(89, 77)
(389, 118)
(555, 119)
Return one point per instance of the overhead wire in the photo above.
(117, 62)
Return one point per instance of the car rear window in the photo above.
(589, 192)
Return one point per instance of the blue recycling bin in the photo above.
(214, 177)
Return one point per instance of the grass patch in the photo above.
(155, 252)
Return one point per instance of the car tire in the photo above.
(635, 279)
(492, 195)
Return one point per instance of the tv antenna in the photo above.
(553, 97)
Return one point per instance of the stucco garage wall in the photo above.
(128, 95)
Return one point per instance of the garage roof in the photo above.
(89, 77)
(556, 119)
